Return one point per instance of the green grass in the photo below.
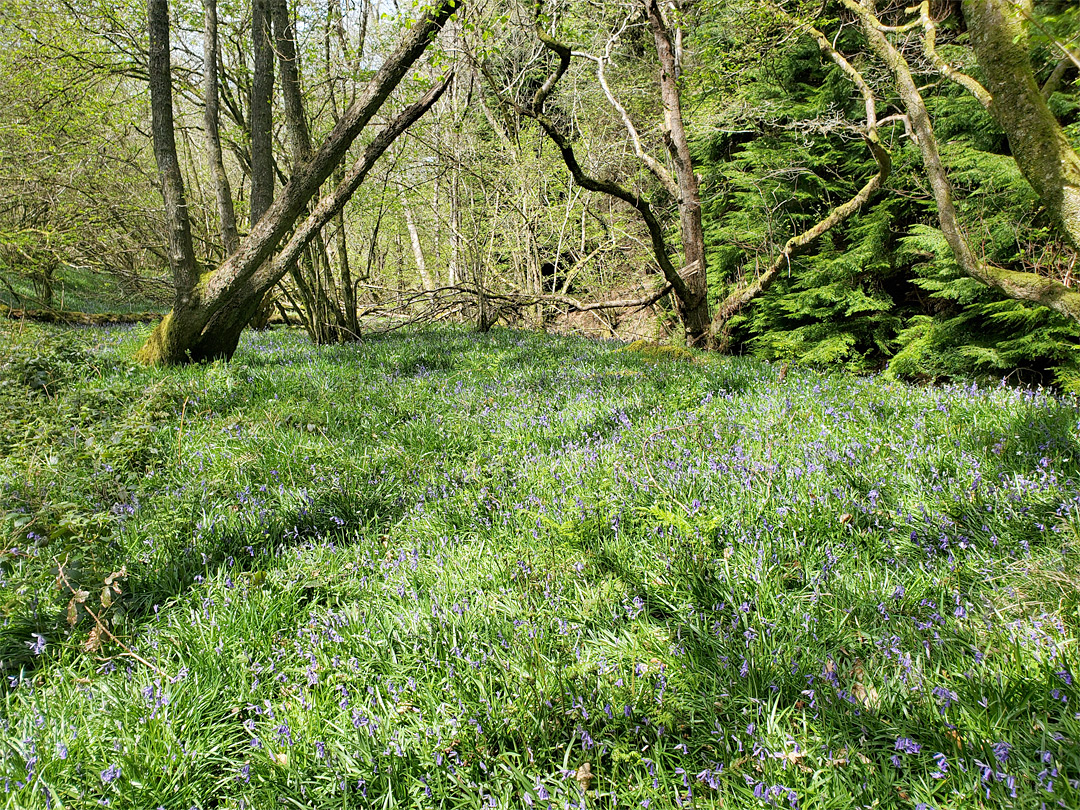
(444, 569)
(77, 289)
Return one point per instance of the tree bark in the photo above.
(694, 312)
(209, 322)
(261, 131)
(222, 191)
(181, 251)
(1038, 143)
(261, 111)
(295, 117)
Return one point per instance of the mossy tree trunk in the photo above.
(1020, 285)
(1038, 143)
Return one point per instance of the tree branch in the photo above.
(938, 61)
(658, 170)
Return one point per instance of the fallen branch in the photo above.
(101, 625)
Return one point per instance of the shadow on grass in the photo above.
(243, 543)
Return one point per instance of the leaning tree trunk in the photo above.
(207, 322)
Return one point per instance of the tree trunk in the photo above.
(348, 288)
(694, 311)
(222, 192)
(1038, 143)
(414, 240)
(181, 251)
(335, 24)
(261, 115)
(261, 129)
(295, 117)
(209, 325)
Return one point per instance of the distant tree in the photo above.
(75, 177)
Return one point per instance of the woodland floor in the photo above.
(442, 569)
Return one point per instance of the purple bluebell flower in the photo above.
(908, 745)
(942, 766)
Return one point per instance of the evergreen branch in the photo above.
(801, 243)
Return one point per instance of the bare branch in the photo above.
(656, 167)
(943, 67)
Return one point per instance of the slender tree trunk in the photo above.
(291, 93)
(181, 251)
(335, 26)
(210, 325)
(261, 112)
(414, 240)
(694, 311)
(261, 128)
(454, 265)
(222, 192)
(348, 288)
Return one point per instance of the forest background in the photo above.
(474, 214)
(466, 566)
